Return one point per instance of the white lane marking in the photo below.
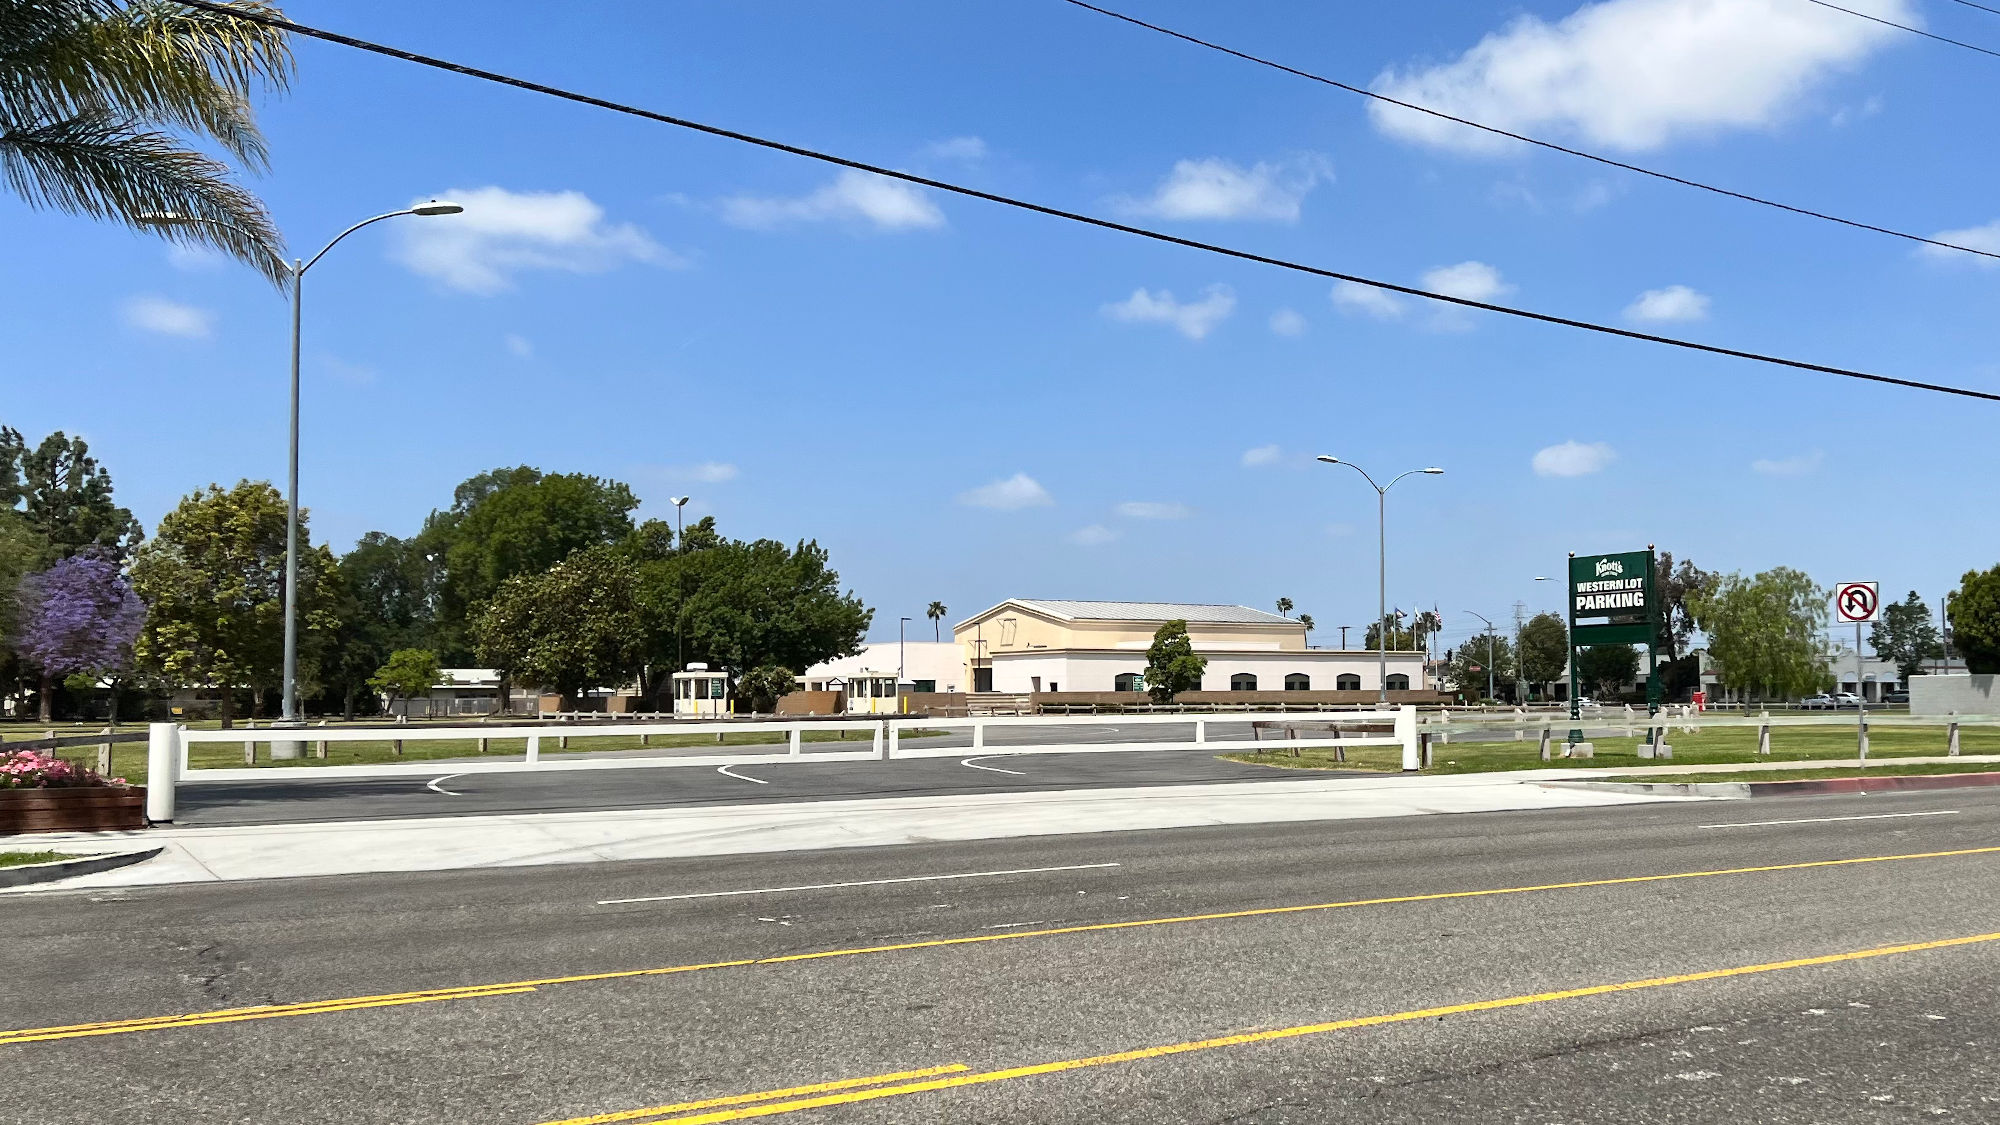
(436, 788)
(1831, 819)
(860, 883)
(990, 769)
(724, 771)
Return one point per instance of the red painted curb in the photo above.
(1870, 784)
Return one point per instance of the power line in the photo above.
(1072, 216)
(1908, 28)
(1981, 7)
(1536, 141)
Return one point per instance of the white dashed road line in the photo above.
(1831, 819)
(968, 763)
(862, 883)
(436, 788)
(724, 771)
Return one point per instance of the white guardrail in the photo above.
(168, 758)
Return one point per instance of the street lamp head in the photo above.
(1327, 459)
(681, 501)
(436, 207)
(1541, 578)
(1433, 471)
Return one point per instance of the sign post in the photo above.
(1858, 602)
(1619, 592)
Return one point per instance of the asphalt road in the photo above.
(446, 793)
(1042, 996)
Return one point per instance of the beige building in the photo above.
(1026, 645)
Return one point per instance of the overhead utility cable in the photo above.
(1908, 28)
(1055, 212)
(1981, 7)
(1525, 139)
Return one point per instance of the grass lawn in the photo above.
(1718, 744)
(18, 859)
(128, 759)
(1835, 771)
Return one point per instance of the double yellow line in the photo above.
(741, 1107)
(469, 992)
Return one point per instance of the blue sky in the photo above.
(966, 403)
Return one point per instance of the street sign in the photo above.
(1856, 602)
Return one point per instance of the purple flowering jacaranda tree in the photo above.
(79, 615)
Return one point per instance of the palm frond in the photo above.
(111, 167)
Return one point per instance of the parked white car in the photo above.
(1846, 699)
(1821, 702)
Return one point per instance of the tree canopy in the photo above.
(408, 673)
(1544, 656)
(1606, 669)
(578, 625)
(1679, 587)
(65, 498)
(1906, 635)
(1766, 634)
(1467, 670)
(1171, 664)
(1974, 611)
(77, 616)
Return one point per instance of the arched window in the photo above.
(1243, 681)
(1298, 681)
(1399, 682)
(1128, 681)
(1348, 681)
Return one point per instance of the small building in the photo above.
(1033, 646)
(460, 691)
(699, 691)
(877, 679)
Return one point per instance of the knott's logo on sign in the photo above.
(1609, 567)
(1613, 586)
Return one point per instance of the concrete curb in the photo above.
(1805, 788)
(30, 873)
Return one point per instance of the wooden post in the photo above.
(104, 756)
(319, 751)
(1764, 738)
(1952, 736)
(1545, 744)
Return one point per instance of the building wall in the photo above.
(939, 661)
(1010, 628)
(1098, 671)
(1955, 695)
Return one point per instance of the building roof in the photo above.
(1152, 611)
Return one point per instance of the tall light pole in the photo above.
(1489, 651)
(289, 712)
(900, 622)
(1382, 565)
(680, 616)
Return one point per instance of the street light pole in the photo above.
(680, 615)
(1489, 652)
(289, 707)
(1381, 566)
(900, 675)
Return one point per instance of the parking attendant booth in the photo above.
(699, 691)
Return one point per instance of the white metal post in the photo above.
(1764, 738)
(880, 747)
(1406, 733)
(1953, 735)
(1860, 698)
(1545, 744)
(796, 738)
(163, 760)
(1200, 732)
(895, 738)
(978, 736)
(534, 749)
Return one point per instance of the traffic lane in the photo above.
(201, 804)
(607, 1046)
(308, 939)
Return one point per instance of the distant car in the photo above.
(1844, 699)
(1896, 697)
(1821, 702)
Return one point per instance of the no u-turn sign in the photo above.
(1856, 602)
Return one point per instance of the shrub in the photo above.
(31, 769)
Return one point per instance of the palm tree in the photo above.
(936, 613)
(1306, 619)
(99, 98)
(1284, 606)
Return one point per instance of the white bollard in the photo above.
(978, 736)
(1952, 734)
(163, 767)
(796, 738)
(1406, 733)
(534, 749)
(1545, 744)
(895, 740)
(1200, 732)
(880, 747)
(1764, 738)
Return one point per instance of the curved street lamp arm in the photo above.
(1399, 476)
(1482, 617)
(310, 262)
(1365, 476)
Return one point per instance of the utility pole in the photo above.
(1489, 651)
(1343, 637)
(1520, 686)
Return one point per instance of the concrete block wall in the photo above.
(1955, 695)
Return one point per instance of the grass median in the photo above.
(1714, 745)
(22, 859)
(128, 759)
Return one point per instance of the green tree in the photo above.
(761, 687)
(1171, 664)
(509, 523)
(100, 99)
(1907, 636)
(1766, 633)
(409, 672)
(1974, 611)
(1544, 656)
(1606, 669)
(214, 577)
(1401, 639)
(1306, 619)
(1284, 607)
(20, 549)
(1466, 671)
(1676, 584)
(578, 625)
(936, 613)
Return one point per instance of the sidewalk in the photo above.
(194, 855)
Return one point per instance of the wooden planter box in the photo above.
(95, 809)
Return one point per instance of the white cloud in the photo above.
(1153, 510)
(1985, 238)
(1217, 189)
(520, 346)
(169, 318)
(1194, 319)
(353, 374)
(194, 259)
(1096, 535)
(969, 150)
(1261, 456)
(707, 472)
(1474, 281)
(1675, 302)
(503, 233)
(1635, 74)
(1354, 297)
(1801, 465)
(1573, 459)
(1288, 322)
(1009, 495)
(863, 197)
